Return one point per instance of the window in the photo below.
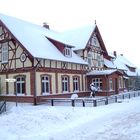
(97, 82)
(89, 57)
(45, 81)
(124, 83)
(4, 58)
(120, 82)
(65, 84)
(68, 52)
(75, 84)
(110, 84)
(94, 41)
(1, 31)
(20, 85)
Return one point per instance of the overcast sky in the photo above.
(118, 20)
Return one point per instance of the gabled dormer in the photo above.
(67, 51)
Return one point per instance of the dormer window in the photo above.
(67, 52)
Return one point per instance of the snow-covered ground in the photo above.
(118, 121)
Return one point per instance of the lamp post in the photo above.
(12, 81)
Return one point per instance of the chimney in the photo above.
(46, 25)
(115, 53)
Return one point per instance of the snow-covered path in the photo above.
(112, 122)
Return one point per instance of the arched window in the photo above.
(20, 85)
(45, 82)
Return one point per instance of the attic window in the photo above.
(94, 41)
(4, 56)
(67, 52)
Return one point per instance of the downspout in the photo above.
(106, 85)
(35, 88)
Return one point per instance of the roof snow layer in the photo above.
(34, 39)
(79, 37)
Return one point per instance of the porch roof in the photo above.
(102, 72)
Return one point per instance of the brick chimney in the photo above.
(115, 53)
(46, 25)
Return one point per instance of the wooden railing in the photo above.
(89, 102)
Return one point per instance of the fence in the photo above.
(89, 102)
(2, 106)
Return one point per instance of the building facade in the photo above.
(36, 62)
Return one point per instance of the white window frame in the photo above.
(67, 51)
(120, 82)
(89, 58)
(45, 83)
(20, 83)
(4, 54)
(65, 84)
(98, 83)
(110, 84)
(75, 84)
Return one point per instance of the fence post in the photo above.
(115, 99)
(129, 96)
(94, 102)
(123, 96)
(5, 106)
(52, 102)
(106, 101)
(134, 94)
(83, 103)
(73, 102)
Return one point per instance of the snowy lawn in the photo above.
(118, 121)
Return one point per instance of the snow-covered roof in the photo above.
(122, 59)
(130, 73)
(138, 71)
(109, 64)
(111, 54)
(101, 72)
(122, 63)
(79, 37)
(34, 39)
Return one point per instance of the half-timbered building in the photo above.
(37, 62)
(101, 69)
(40, 64)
